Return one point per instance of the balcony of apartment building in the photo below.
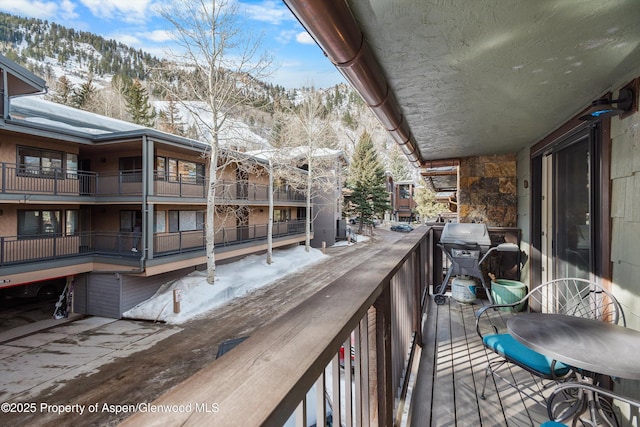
(54, 243)
(60, 236)
(412, 362)
(19, 182)
(539, 105)
(78, 207)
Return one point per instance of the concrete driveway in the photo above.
(46, 360)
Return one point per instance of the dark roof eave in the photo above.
(38, 84)
(151, 133)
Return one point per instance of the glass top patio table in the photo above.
(588, 344)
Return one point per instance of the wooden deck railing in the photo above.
(290, 370)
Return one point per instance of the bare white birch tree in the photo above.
(220, 58)
(270, 220)
(312, 134)
(283, 168)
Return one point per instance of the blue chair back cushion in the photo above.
(511, 349)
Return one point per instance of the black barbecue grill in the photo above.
(467, 246)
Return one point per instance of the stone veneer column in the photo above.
(487, 190)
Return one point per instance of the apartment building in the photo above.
(404, 204)
(116, 208)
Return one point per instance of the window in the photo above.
(39, 223)
(161, 168)
(281, 215)
(129, 220)
(181, 170)
(72, 166)
(186, 221)
(160, 225)
(405, 191)
(131, 169)
(40, 162)
(301, 213)
(71, 227)
(173, 170)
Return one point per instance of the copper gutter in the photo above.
(335, 30)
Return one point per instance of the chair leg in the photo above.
(490, 370)
(487, 370)
(492, 367)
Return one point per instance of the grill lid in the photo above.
(465, 234)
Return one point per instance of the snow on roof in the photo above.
(297, 153)
(303, 151)
(37, 110)
(61, 118)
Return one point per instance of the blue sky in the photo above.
(136, 24)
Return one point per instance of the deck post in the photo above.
(381, 385)
(419, 278)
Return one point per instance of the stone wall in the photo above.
(488, 190)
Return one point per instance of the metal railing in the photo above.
(291, 370)
(245, 190)
(23, 179)
(25, 249)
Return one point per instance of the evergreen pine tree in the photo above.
(83, 96)
(138, 105)
(63, 91)
(398, 164)
(170, 119)
(367, 182)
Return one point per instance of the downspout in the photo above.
(146, 172)
(5, 95)
(334, 28)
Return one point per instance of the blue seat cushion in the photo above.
(552, 424)
(511, 349)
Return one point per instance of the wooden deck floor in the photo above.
(448, 383)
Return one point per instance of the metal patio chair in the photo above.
(572, 297)
(585, 404)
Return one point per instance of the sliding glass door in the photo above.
(573, 209)
(568, 219)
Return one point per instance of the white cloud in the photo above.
(157, 36)
(285, 36)
(36, 9)
(125, 10)
(67, 10)
(268, 11)
(127, 39)
(304, 38)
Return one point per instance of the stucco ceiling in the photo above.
(490, 77)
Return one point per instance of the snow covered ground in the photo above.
(232, 280)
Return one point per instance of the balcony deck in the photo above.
(400, 340)
(448, 383)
